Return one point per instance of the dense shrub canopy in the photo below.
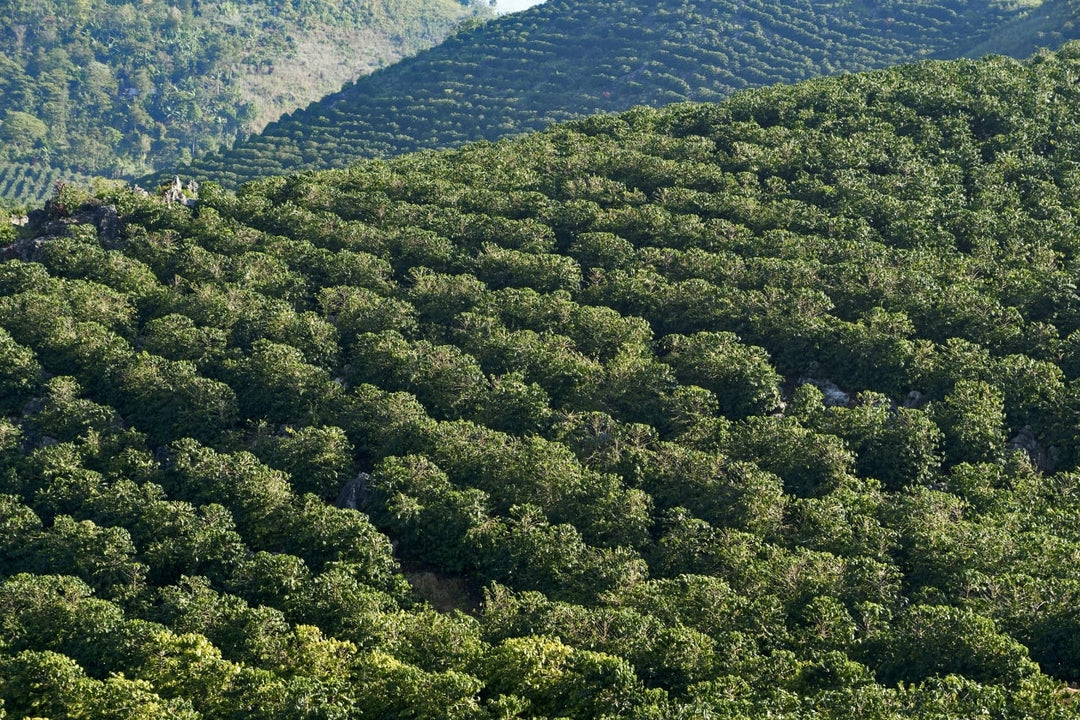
(759, 409)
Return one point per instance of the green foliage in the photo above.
(553, 678)
(19, 373)
(318, 459)
(933, 640)
(972, 419)
(758, 409)
(898, 446)
(59, 687)
(741, 377)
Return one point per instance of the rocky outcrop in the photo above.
(25, 249)
(914, 399)
(45, 226)
(1044, 458)
(355, 494)
(832, 394)
(178, 193)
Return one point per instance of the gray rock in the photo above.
(1045, 459)
(831, 393)
(46, 227)
(355, 494)
(25, 249)
(914, 399)
(107, 221)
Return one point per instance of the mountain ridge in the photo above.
(565, 59)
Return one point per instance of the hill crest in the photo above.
(568, 59)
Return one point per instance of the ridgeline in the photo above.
(567, 59)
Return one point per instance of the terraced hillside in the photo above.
(26, 183)
(568, 58)
(99, 87)
(763, 409)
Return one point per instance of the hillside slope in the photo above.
(568, 59)
(760, 409)
(121, 88)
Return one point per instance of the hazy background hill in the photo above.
(121, 88)
(567, 58)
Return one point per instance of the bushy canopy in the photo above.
(758, 409)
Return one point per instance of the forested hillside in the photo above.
(569, 58)
(767, 408)
(122, 88)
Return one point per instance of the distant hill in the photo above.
(568, 58)
(21, 183)
(121, 88)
